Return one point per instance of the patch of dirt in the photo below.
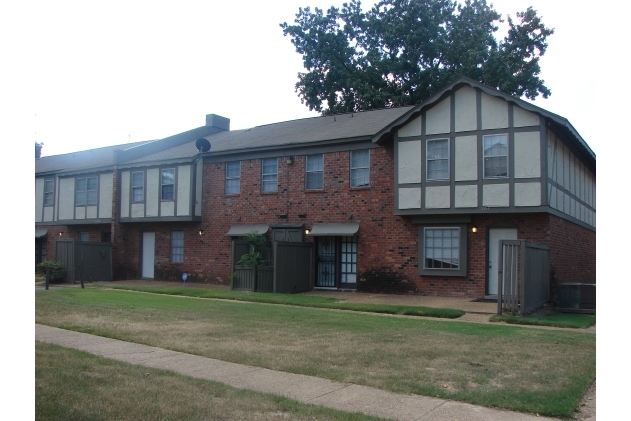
(587, 408)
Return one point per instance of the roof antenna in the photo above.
(202, 145)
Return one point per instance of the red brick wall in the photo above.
(387, 244)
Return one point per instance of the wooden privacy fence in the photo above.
(83, 260)
(523, 276)
(291, 269)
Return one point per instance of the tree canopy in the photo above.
(401, 52)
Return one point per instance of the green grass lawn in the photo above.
(529, 370)
(74, 385)
(555, 319)
(300, 300)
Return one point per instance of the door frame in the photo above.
(337, 263)
(502, 225)
(142, 254)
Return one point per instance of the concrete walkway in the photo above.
(313, 390)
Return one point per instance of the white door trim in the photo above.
(492, 263)
(148, 254)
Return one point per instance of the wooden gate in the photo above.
(523, 276)
(84, 260)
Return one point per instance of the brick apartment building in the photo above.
(400, 200)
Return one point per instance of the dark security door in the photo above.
(326, 262)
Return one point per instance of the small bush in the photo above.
(56, 269)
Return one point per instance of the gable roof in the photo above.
(302, 132)
(560, 123)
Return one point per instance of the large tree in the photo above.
(401, 52)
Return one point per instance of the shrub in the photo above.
(253, 257)
(56, 269)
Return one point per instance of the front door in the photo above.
(337, 262)
(148, 253)
(495, 235)
(326, 259)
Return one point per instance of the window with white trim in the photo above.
(495, 156)
(168, 184)
(438, 159)
(360, 168)
(233, 177)
(49, 192)
(314, 179)
(443, 250)
(177, 246)
(86, 189)
(138, 186)
(270, 174)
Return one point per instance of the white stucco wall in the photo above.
(495, 195)
(466, 110)
(124, 199)
(466, 157)
(106, 186)
(183, 190)
(39, 199)
(439, 117)
(66, 198)
(91, 212)
(437, 197)
(466, 196)
(49, 213)
(527, 194)
(413, 128)
(523, 118)
(137, 210)
(167, 208)
(153, 192)
(79, 212)
(410, 198)
(410, 163)
(527, 155)
(494, 112)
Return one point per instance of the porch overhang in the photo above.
(40, 232)
(242, 230)
(345, 229)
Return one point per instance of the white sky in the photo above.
(105, 73)
(86, 74)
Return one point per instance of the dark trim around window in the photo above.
(462, 251)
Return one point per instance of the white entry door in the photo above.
(495, 235)
(148, 253)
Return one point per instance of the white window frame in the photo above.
(177, 247)
(83, 197)
(163, 184)
(484, 157)
(364, 170)
(138, 188)
(233, 183)
(317, 174)
(270, 177)
(49, 195)
(435, 158)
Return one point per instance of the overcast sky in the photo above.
(107, 73)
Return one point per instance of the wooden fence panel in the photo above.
(243, 278)
(64, 253)
(265, 279)
(293, 267)
(93, 261)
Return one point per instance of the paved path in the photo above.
(313, 390)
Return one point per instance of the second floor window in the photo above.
(168, 184)
(315, 172)
(496, 156)
(438, 159)
(360, 168)
(138, 186)
(49, 192)
(233, 177)
(86, 191)
(270, 174)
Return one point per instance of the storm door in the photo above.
(348, 264)
(326, 259)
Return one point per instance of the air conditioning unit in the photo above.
(576, 296)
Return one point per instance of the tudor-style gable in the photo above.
(471, 149)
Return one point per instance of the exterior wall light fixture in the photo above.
(307, 232)
(290, 160)
(201, 232)
(474, 229)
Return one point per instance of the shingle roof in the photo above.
(289, 133)
(81, 160)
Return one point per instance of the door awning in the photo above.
(40, 232)
(241, 230)
(335, 229)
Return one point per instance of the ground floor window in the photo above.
(40, 251)
(443, 250)
(336, 259)
(84, 236)
(177, 246)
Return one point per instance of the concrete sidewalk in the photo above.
(306, 389)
